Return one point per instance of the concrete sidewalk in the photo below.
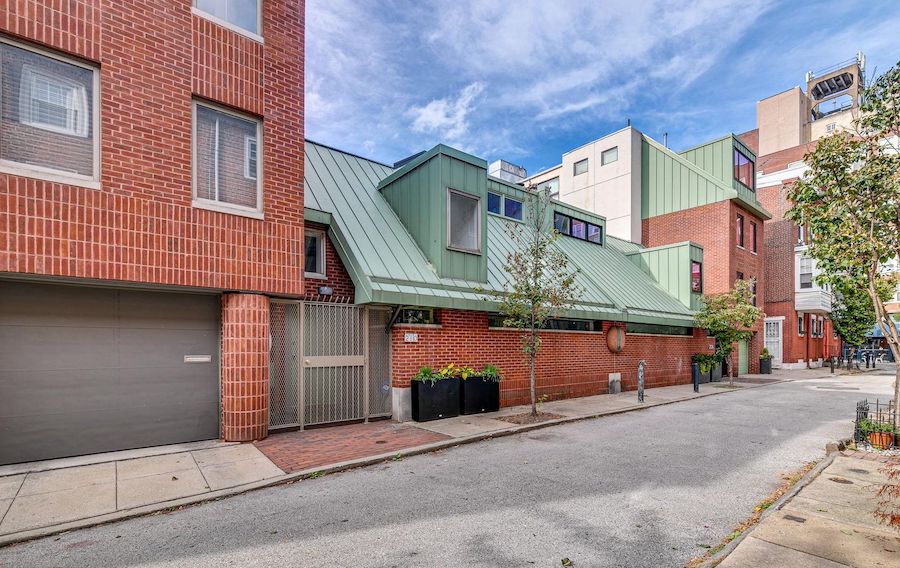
(828, 524)
(38, 503)
(51, 498)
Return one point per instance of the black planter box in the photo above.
(705, 377)
(765, 365)
(431, 401)
(478, 395)
(716, 373)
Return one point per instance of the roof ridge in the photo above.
(347, 153)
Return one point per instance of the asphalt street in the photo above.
(646, 488)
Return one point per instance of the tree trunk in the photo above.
(532, 357)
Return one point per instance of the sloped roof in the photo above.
(387, 266)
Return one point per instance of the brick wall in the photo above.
(336, 275)
(570, 364)
(714, 226)
(155, 57)
(245, 367)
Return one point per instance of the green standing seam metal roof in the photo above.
(387, 266)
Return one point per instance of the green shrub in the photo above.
(491, 373)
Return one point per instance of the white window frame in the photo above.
(575, 171)
(604, 153)
(233, 27)
(26, 101)
(213, 204)
(503, 197)
(450, 192)
(53, 174)
(320, 253)
(248, 173)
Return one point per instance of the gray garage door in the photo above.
(86, 370)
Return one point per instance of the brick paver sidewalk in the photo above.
(299, 450)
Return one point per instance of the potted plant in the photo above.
(765, 362)
(704, 363)
(435, 394)
(879, 434)
(480, 392)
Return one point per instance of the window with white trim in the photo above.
(806, 272)
(250, 157)
(224, 177)
(609, 156)
(48, 115)
(499, 204)
(463, 221)
(243, 14)
(314, 253)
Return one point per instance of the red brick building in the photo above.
(151, 160)
(389, 243)
(655, 196)
(798, 331)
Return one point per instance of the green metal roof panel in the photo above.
(387, 266)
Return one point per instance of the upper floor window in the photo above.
(503, 205)
(740, 275)
(577, 228)
(551, 186)
(801, 235)
(800, 324)
(581, 167)
(226, 162)
(739, 230)
(753, 236)
(609, 156)
(696, 276)
(250, 157)
(806, 272)
(463, 221)
(49, 116)
(314, 253)
(239, 15)
(743, 169)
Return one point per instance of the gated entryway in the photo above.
(773, 339)
(328, 363)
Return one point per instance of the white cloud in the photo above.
(446, 116)
(500, 78)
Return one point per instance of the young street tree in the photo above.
(850, 199)
(540, 283)
(852, 311)
(728, 317)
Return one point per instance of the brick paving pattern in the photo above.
(299, 450)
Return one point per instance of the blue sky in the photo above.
(530, 79)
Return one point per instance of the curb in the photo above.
(167, 506)
(776, 506)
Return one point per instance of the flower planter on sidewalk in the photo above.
(479, 394)
(432, 400)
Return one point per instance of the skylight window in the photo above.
(578, 228)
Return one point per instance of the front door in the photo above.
(774, 339)
(743, 358)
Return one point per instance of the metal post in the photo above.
(831, 360)
(695, 376)
(641, 366)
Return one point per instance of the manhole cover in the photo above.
(794, 518)
(381, 441)
(841, 480)
(859, 470)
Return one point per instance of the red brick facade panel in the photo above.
(569, 364)
(245, 367)
(336, 276)
(155, 58)
(714, 227)
(72, 26)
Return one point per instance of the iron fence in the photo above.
(874, 423)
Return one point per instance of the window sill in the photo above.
(224, 208)
(16, 169)
(236, 29)
(419, 325)
(490, 328)
(663, 335)
(315, 276)
(467, 251)
(505, 218)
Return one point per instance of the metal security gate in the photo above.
(328, 363)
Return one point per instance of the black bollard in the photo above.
(695, 376)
